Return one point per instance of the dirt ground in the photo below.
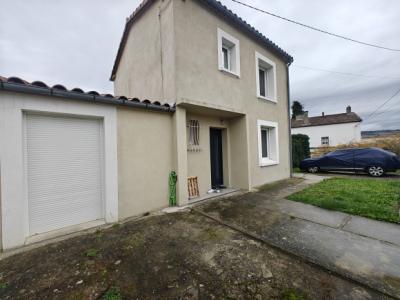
(172, 256)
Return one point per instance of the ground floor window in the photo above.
(325, 141)
(268, 151)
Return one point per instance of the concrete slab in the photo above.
(383, 231)
(307, 212)
(317, 235)
(220, 193)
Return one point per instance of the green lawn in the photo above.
(375, 199)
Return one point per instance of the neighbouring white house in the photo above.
(329, 130)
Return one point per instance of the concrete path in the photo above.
(361, 249)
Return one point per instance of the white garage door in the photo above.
(64, 171)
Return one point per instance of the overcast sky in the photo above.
(74, 42)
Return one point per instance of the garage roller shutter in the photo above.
(64, 171)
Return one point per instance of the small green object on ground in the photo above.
(92, 252)
(112, 294)
(375, 199)
(172, 188)
(291, 294)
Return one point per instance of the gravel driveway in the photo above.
(182, 255)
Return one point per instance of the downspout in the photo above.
(289, 119)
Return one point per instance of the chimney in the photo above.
(323, 114)
(306, 118)
(303, 117)
(348, 109)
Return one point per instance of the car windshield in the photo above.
(336, 152)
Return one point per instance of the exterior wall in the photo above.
(14, 206)
(200, 82)
(146, 69)
(145, 159)
(337, 133)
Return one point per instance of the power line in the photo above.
(387, 109)
(383, 104)
(314, 28)
(344, 73)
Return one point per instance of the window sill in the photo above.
(267, 163)
(266, 99)
(229, 72)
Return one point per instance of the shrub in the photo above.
(300, 148)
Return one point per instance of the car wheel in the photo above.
(376, 171)
(312, 169)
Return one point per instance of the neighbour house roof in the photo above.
(219, 9)
(16, 84)
(348, 117)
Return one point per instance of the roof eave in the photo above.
(217, 7)
(311, 125)
(129, 22)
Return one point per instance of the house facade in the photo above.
(218, 116)
(329, 130)
(222, 74)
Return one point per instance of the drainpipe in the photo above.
(289, 119)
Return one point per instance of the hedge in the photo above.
(300, 148)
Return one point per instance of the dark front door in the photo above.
(217, 178)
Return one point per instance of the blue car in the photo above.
(374, 161)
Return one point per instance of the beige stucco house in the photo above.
(224, 76)
(217, 115)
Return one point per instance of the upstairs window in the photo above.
(266, 78)
(325, 141)
(226, 57)
(228, 53)
(262, 76)
(268, 149)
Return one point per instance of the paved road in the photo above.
(365, 250)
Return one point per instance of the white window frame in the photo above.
(225, 40)
(269, 68)
(273, 143)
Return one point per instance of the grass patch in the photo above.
(92, 253)
(375, 199)
(112, 294)
(291, 294)
(297, 170)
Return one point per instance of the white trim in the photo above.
(270, 72)
(14, 208)
(273, 144)
(234, 53)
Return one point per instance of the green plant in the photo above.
(291, 294)
(3, 285)
(112, 294)
(92, 253)
(300, 148)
